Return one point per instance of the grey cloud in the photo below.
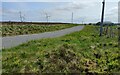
(119, 12)
(72, 6)
(112, 14)
(56, 0)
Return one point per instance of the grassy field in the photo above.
(79, 52)
(11, 30)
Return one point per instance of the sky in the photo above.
(84, 11)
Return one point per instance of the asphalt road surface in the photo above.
(12, 41)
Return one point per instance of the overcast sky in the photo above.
(59, 10)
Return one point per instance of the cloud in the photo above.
(112, 14)
(9, 11)
(87, 11)
(119, 12)
(0, 11)
(58, 0)
(63, 14)
(72, 6)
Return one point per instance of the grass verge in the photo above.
(79, 52)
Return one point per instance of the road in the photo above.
(12, 41)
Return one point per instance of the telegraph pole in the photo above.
(72, 18)
(102, 18)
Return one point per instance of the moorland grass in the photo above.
(22, 29)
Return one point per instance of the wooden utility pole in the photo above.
(102, 18)
(72, 18)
